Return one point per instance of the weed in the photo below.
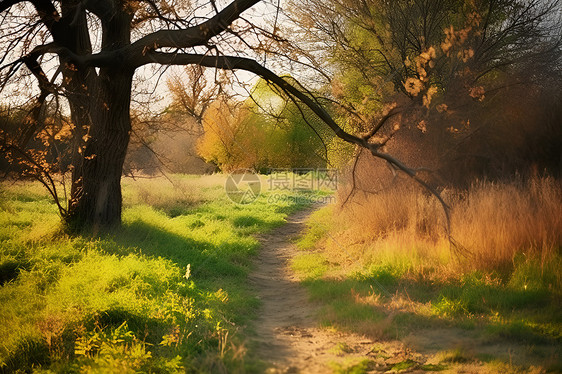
(404, 365)
(342, 348)
(433, 367)
(352, 367)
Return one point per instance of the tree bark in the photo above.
(95, 202)
(100, 106)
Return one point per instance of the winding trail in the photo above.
(288, 335)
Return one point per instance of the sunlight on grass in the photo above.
(383, 266)
(166, 292)
(310, 266)
(356, 366)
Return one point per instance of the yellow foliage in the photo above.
(220, 125)
(422, 126)
(413, 86)
(429, 94)
(442, 108)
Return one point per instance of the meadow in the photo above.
(167, 292)
(488, 300)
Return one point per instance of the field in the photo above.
(383, 266)
(167, 292)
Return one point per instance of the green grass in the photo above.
(352, 367)
(310, 265)
(389, 297)
(167, 292)
(404, 365)
(316, 229)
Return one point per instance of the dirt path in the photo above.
(288, 335)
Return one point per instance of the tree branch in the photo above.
(130, 54)
(45, 87)
(102, 59)
(6, 4)
(380, 124)
(192, 36)
(242, 63)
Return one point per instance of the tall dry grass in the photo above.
(493, 222)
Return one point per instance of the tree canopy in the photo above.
(82, 57)
(449, 68)
(265, 131)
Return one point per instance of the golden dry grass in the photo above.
(494, 222)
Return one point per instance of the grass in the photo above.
(167, 292)
(353, 367)
(382, 266)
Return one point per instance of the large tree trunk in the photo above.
(95, 202)
(100, 109)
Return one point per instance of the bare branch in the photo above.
(381, 123)
(6, 4)
(40, 173)
(192, 36)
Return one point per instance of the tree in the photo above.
(164, 137)
(416, 45)
(449, 65)
(88, 51)
(46, 154)
(194, 95)
(96, 80)
(265, 131)
(97, 83)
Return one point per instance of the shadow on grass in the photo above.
(77, 289)
(207, 260)
(10, 269)
(218, 293)
(441, 316)
(214, 266)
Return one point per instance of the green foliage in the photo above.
(537, 275)
(446, 65)
(476, 294)
(266, 131)
(117, 349)
(164, 293)
(404, 365)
